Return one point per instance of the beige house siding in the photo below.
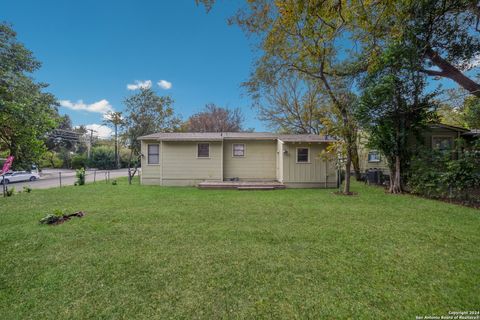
(151, 173)
(439, 132)
(318, 172)
(259, 162)
(366, 165)
(182, 167)
(264, 160)
(383, 164)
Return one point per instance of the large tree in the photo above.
(303, 36)
(333, 41)
(446, 32)
(292, 102)
(456, 109)
(27, 113)
(215, 119)
(146, 113)
(394, 108)
(290, 105)
(471, 113)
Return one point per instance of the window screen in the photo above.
(302, 155)
(153, 153)
(239, 150)
(203, 150)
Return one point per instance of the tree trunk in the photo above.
(130, 176)
(356, 162)
(348, 167)
(451, 72)
(396, 177)
(346, 130)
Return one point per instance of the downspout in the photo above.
(221, 161)
(326, 173)
(142, 159)
(161, 164)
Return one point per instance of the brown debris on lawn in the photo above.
(53, 219)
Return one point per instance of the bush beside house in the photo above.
(437, 174)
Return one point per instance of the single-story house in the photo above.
(187, 159)
(436, 136)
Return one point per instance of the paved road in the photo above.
(50, 178)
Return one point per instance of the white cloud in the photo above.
(164, 84)
(140, 85)
(101, 106)
(103, 132)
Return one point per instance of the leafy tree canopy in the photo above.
(147, 113)
(215, 119)
(393, 107)
(27, 113)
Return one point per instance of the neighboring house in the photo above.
(437, 136)
(187, 159)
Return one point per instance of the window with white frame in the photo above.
(203, 150)
(238, 149)
(303, 155)
(153, 154)
(374, 156)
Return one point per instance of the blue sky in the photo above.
(91, 50)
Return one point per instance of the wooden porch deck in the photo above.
(242, 185)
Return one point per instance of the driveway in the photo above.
(50, 178)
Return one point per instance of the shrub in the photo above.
(114, 182)
(59, 216)
(79, 161)
(435, 174)
(125, 158)
(49, 219)
(10, 191)
(102, 157)
(50, 159)
(27, 189)
(80, 174)
(52, 217)
(66, 156)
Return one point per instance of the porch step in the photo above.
(241, 185)
(256, 188)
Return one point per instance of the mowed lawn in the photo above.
(146, 252)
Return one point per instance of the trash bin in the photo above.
(374, 176)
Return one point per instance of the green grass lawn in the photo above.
(145, 252)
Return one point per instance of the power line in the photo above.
(91, 142)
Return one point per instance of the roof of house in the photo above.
(454, 128)
(473, 133)
(220, 136)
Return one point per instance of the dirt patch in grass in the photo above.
(56, 220)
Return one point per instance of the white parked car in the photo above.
(18, 176)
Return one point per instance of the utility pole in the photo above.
(90, 143)
(117, 164)
(115, 119)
